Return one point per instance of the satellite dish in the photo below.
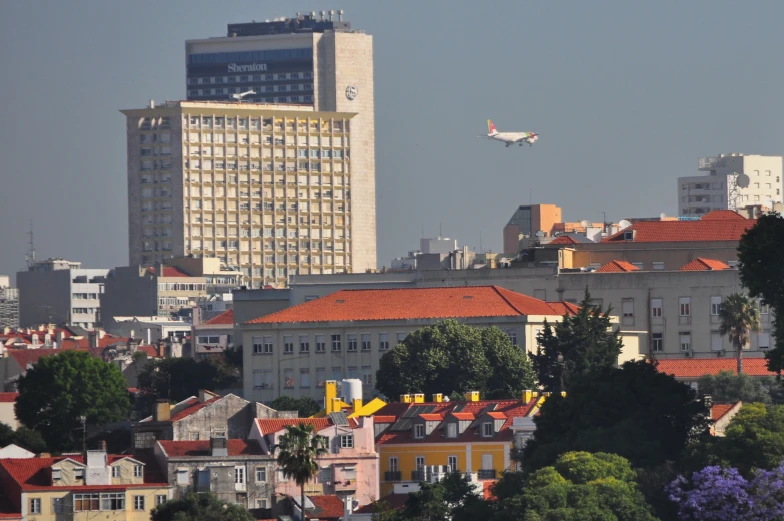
(742, 180)
(585, 223)
(662, 216)
(624, 224)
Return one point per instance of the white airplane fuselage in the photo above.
(509, 138)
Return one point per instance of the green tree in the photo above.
(450, 357)
(299, 450)
(58, 390)
(635, 411)
(305, 406)
(761, 271)
(739, 317)
(577, 345)
(30, 440)
(579, 486)
(203, 506)
(727, 386)
(180, 378)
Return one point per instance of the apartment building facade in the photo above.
(308, 61)
(732, 182)
(57, 291)
(267, 190)
(343, 335)
(9, 303)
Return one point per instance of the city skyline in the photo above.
(626, 99)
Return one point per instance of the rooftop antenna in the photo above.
(439, 231)
(480, 242)
(30, 256)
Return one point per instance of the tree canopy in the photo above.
(60, 389)
(450, 357)
(179, 378)
(726, 386)
(739, 317)
(761, 271)
(634, 411)
(22, 437)
(305, 405)
(203, 506)
(577, 345)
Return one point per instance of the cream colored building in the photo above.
(268, 190)
(310, 60)
(719, 190)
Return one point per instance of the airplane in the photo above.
(510, 138)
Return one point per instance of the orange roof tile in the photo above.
(564, 308)
(192, 406)
(722, 215)
(563, 239)
(25, 357)
(413, 303)
(497, 415)
(384, 419)
(326, 507)
(705, 230)
(273, 425)
(202, 448)
(8, 397)
(617, 266)
(463, 415)
(227, 317)
(169, 271)
(701, 264)
(431, 417)
(696, 367)
(720, 409)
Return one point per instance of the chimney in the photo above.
(472, 396)
(438, 397)
(340, 15)
(405, 398)
(93, 338)
(60, 337)
(161, 348)
(159, 269)
(219, 446)
(205, 395)
(101, 333)
(528, 395)
(162, 412)
(97, 472)
(356, 404)
(133, 345)
(419, 398)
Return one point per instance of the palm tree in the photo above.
(739, 316)
(299, 448)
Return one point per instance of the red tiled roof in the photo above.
(202, 448)
(722, 215)
(149, 350)
(720, 409)
(564, 308)
(384, 419)
(193, 405)
(502, 409)
(227, 317)
(431, 417)
(413, 303)
(8, 397)
(696, 367)
(273, 425)
(617, 266)
(701, 264)
(708, 229)
(563, 239)
(169, 271)
(327, 507)
(487, 490)
(25, 357)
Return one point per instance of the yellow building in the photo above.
(80, 487)
(416, 439)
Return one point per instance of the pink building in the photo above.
(350, 468)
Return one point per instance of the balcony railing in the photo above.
(486, 474)
(417, 475)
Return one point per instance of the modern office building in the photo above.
(527, 221)
(733, 181)
(57, 291)
(268, 190)
(320, 62)
(9, 303)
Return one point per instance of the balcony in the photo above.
(417, 475)
(485, 474)
(345, 485)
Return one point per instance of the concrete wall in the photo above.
(129, 292)
(46, 296)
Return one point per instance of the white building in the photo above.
(9, 303)
(57, 291)
(732, 182)
(439, 246)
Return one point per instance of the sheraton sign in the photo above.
(251, 67)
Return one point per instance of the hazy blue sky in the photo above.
(626, 96)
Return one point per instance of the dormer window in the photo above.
(115, 472)
(137, 471)
(628, 235)
(419, 431)
(79, 473)
(487, 430)
(55, 474)
(451, 430)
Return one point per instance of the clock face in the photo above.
(351, 92)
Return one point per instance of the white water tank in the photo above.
(351, 389)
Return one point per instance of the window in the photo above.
(656, 308)
(352, 341)
(716, 343)
(115, 472)
(57, 505)
(321, 344)
(137, 471)
(394, 464)
(452, 462)
(160, 499)
(113, 501)
(451, 430)
(35, 505)
(487, 429)
(366, 341)
(261, 474)
(715, 305)
(347, 441)
(288, 344)
(257, 345)
(658, 265)
(763, 339)
(239, 475)
(763, 308)
(419, 462)
(685, 306)
(335, 342)
(685, 341)
(401, 336)
(138, 502)
(261, 503)
(267, 345)
(419, 431)
(304, 345)
(86, 502)
(627, 305)
(79, 473)
(657, 342)
(512, 334)
(383, 341)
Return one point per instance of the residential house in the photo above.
(417, 440)
(214, 336)
(295, 351)
(350, 468)
(722, 414)
(7, 411)
(15, 452)
(82, 487)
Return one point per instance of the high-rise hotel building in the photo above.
(268, 189)
(310, 60)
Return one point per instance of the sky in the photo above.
(626, 97)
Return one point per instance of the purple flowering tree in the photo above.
(723, 494)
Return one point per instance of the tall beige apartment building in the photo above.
(312, 60)
(268, 189)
